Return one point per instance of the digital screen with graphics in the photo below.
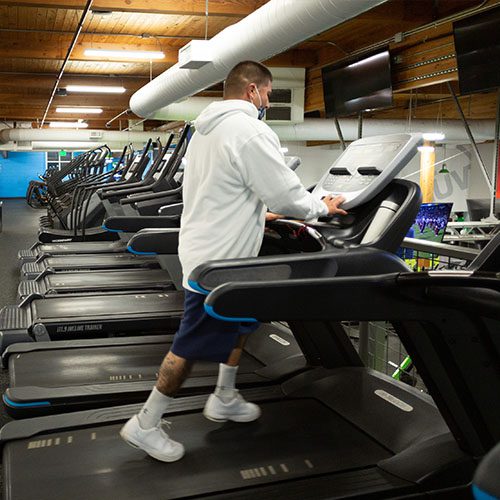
(430, 225)
(431, 221)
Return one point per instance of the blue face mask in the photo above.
(261, 109)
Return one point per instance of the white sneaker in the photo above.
(155, 442)
(237, 410)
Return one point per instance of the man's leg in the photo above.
(173, 372)
(144, 430)
(226, 403)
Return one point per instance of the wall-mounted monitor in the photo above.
(477, 45)
(358, 86)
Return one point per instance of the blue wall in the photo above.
(17, 171)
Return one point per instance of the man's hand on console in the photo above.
(333, 202)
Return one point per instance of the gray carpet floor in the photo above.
(19, 230)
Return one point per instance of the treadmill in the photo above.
(86, 198)
(69, 218)
(49, 282)
(338, 431)
(89, 373)
(166, 164)
(63, 391)
(363, 173)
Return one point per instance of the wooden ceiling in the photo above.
(35, 36)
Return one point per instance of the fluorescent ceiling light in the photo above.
(125, 54)
(68, 125)
(426, 149)
(284, 150)
(90, 111)
(97, 89)
(433, 136)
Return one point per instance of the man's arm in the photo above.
(265, 173)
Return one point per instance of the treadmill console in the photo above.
(367, 166)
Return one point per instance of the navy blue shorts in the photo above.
(203, 338)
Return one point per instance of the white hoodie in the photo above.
(234, 171)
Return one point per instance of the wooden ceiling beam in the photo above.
(71, 100)
(28, 83)
(240, 8)
(293, 58)
(32, 47)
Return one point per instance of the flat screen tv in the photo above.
(358, 86)
(430, 225)
(477, 45)
(431, 221)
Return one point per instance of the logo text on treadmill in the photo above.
(278, 339)
(393, 400)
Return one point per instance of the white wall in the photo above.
(465, 179)
(315, 160)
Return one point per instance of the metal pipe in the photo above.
(130, 127)
(443, 249)
(339, 133)
(471, 137)
(495, 160)
(66, 59)
(116, 117)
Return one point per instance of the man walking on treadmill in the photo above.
(234, 171)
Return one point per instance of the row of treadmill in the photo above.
(100, 298)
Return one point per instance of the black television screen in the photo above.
(358, 86)
(477, 45)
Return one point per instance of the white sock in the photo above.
(226, 381)
(153, 409)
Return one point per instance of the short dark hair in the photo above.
(244, 73)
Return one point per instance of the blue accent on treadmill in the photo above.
(11, 403)
(210, 311)
(195, 286)
(136, 252)
(482, 495)
(112, 230)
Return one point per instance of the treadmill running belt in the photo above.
(101, 365)
(82, 281)
(293, 439)
(107, 306)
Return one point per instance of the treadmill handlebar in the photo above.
(132, 224)
(150, 196)
(172, 209)
(158, 241)
(394, 296)
(334, 262)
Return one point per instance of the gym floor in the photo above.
(20, 226)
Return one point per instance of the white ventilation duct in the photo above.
(186, 110)
(270, 30)
(318, 129)
(102, 136)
